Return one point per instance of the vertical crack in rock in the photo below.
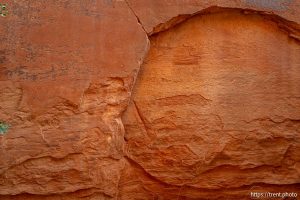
(136, 16)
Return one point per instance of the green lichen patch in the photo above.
(3, 10)
(3, 128)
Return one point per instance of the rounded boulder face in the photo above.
(217, 103)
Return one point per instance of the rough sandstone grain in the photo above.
(66, 77)
(214, 112)
(216, 104)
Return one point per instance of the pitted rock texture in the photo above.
(214, 113)
(216, 105)
(65, 78)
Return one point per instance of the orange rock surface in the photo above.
(211, 111)
(216, 104)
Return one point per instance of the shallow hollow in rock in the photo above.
(217, 103)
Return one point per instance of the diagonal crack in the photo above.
(135, 163)
(137, 18)
(141, 117)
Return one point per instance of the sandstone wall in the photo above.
(211, 111)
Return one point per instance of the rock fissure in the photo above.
(137, 18)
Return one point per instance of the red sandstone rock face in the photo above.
(66, 77)
(158, 15)
(213, 109)
(214, 113)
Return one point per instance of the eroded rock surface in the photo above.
(216, 105)
(214, 113)
(158, 15)
(66, 77)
